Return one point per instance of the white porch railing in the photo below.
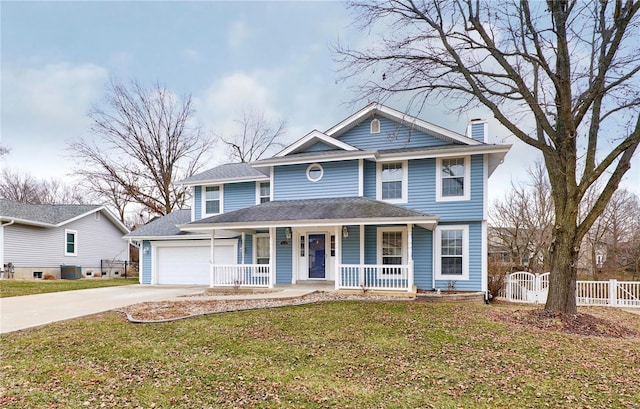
(241, 275)
(533, 288)
(375, 277)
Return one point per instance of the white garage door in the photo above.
(190, 265)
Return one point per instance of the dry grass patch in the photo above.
(344, 354)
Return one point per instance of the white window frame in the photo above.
(204, 200)
(405, 182)
(467, 180)
(75, 242)
(258, 196)
(465, 252)
(312, 166)
(255, 252)
(375, 126)
(405, 245)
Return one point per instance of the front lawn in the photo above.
(13, 288)
(327, 355)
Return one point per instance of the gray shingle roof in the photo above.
(163, 226)
(43, 213)
(352, 208)
(228, 171)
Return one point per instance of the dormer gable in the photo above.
(315, 139)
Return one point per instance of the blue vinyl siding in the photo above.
(370, 244)
(351, 246)
(197, 202)
(475, 261)
(392, 136)
(422, 192)
(319, 146)
(340, 179)
(283, 258)
(239, 196)
(369, 179)
(423, 258)
(146, 262)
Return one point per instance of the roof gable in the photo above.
(52, 215)
(313, 138)
(412, 123)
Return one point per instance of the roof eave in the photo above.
(421, 220)
(287, 160)
(227, 180)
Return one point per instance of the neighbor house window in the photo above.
(392, 250)
(263, 192)
(452, 252)
(212, 200)
(453, 179)
(392, 181)
(70, 243)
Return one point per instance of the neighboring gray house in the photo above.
(38, 239)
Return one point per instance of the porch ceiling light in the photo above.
(345, 232)
(287, 232)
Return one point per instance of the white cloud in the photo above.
(42, 107)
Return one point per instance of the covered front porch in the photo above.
(370, 248)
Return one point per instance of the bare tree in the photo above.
(522, 222)
(4, 150)
(25, 188)
(620, 223)
(255, 136)
(144, 140)
(560, 75)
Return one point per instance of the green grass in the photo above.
(337, 355)
(13, 288)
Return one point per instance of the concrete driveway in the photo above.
(28, 311)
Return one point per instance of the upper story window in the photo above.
(392, 182)
(375, 125)
(70, 243)
(452, 252)
(263, 192)
(314, 172)
(212, 200)
(453, 179)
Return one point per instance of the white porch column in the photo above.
(410, 255)
(244, 238)
(338, 258)
(272, 256)
(213, 257)
(361, 268)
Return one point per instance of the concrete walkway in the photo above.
(29, 311)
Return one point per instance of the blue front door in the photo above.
(317, 253)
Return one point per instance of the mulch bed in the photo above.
(580, 324)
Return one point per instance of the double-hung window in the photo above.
(70, 243)
(212, 200)
(392, 250)
(453, 179)
(392, 182)
(452, 252)
(262, 254)
(263, 192)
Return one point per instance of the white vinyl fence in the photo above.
(533, 288)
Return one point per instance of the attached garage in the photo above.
(187, 262)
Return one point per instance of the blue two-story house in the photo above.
(381, 201)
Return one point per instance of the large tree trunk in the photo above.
(564, 272)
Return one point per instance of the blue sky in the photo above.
(273, 56)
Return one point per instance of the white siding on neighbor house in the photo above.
(28, 246)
